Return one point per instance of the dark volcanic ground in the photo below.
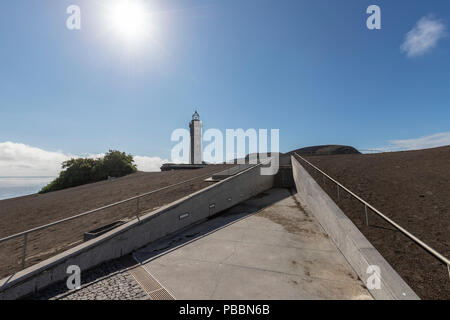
(413, 189)
(23, 213)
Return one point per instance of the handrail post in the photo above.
(137, 210)
(423, 245)
(339, 198)
(367, 216)
(25, 238)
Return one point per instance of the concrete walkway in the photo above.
(265, 248)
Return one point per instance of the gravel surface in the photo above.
(413, 189)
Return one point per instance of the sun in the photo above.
(129, 20)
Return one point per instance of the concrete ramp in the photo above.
(267, 247)
(241, 238)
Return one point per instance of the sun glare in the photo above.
(129, 20)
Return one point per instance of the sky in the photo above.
(311, 69)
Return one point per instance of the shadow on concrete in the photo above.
(212, 224)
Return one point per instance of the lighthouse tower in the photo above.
(196, 139)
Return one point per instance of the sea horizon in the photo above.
(19, 186)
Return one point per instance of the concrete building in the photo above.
(196, 139)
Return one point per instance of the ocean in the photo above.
(11, 187)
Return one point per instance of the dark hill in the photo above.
(325, 150)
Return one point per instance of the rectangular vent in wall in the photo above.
(184, 215)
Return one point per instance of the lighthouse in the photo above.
(195, 127)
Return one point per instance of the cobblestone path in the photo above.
(108, 281)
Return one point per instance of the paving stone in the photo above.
(108, 281)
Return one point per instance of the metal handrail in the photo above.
(96, 210)
(26, 232)
(422, 244)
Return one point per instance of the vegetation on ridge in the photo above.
(81, 171)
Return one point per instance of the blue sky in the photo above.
(309, 68)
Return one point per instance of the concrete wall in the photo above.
(358, 251)
(230, 172)
(284, 177)
(133, 235)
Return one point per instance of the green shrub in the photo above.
(80, 171)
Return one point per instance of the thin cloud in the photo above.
(423, 37)
(149, 163)
(426, 142)
(18, 159)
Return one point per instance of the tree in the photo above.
(117, 164)
(81, 171)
